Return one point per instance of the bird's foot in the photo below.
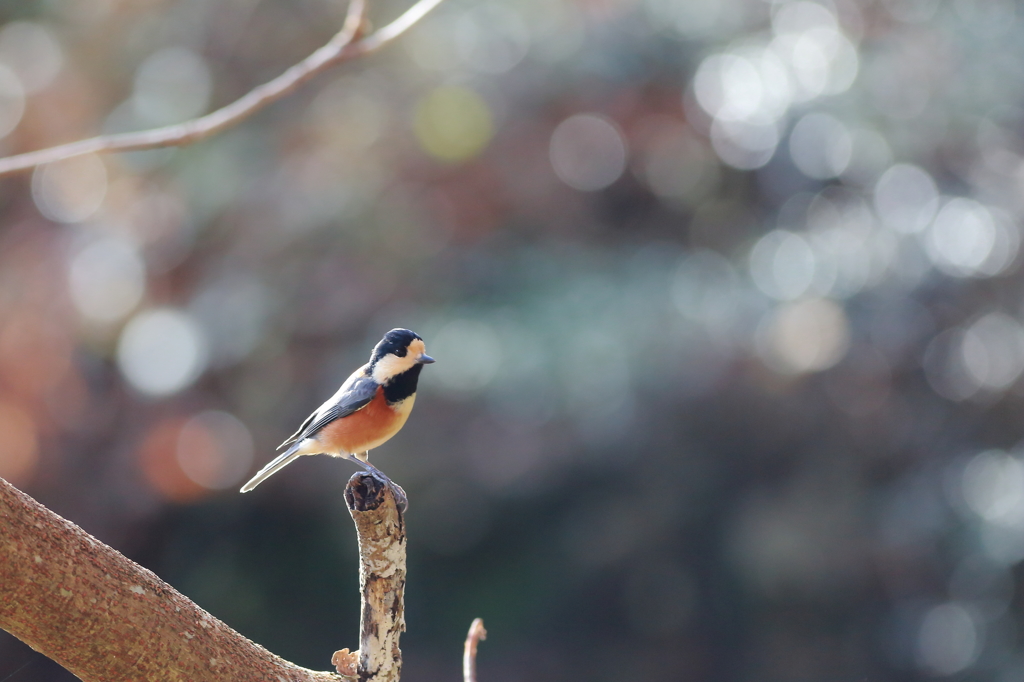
(401, 499)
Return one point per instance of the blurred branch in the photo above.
(476, 633)
(381, 530)
(345, 45)
(105, 618)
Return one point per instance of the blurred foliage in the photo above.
(725, 298)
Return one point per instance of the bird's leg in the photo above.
(400, 497)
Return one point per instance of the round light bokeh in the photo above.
(744, 145)
(993, 351)
(453, 123)
(962, 237)
(588, 152)
(70, 191)
(161, 352)
(107, 280)
(992, 486)
(949, 639)
(215, 450)
(171, 85)
(804, 336)
(986, 357)
(748, 91)
(491, 38)
(821, 146)
(782, 265)
(32, 52)
(906, 198)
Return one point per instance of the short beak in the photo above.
(425, 359)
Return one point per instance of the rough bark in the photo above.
(105, 618)
(382, 544)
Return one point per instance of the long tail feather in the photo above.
(278, 463)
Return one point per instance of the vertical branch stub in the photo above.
(476, 633)
(382, 544)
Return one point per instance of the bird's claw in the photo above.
(401, 499)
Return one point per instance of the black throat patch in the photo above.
(403, 385)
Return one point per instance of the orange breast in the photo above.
(362, 430)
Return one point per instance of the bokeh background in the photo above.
(725, 297)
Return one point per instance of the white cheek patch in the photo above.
(391, 366)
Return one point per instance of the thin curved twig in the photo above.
(476, 633)
(345, 45)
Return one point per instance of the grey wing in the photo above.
(355, 394)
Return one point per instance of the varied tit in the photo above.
(370, 407)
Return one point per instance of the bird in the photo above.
(370, 407)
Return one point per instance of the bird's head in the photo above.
(399, 351)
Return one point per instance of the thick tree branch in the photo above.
(105, 618)
(382, 543)
(342, 47)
